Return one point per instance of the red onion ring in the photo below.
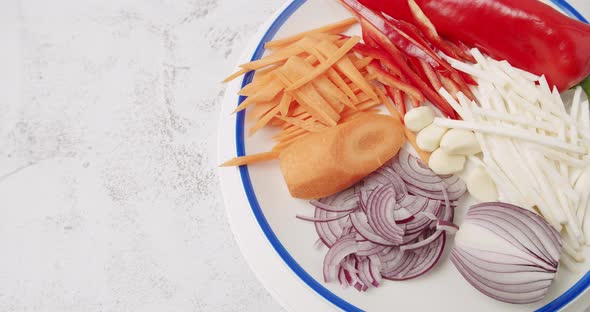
(390, 225)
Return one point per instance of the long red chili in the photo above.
(528, 33)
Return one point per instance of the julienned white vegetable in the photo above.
(480, 185)
(512, 132)
(428, 139)
(419, 118)
(460, 142)
(534, 149)
(443, 163)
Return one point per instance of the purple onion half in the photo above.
(506, 252)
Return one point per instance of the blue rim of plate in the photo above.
(555, 305)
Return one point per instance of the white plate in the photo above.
(279, 248)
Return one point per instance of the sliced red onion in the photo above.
(341, 249)
(390, 225)
(423, 260)
(446, 226)
(379, 210)
(368, 248)
(327, 219)
(326, 207)
(507, 252)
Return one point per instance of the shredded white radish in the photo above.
(511, 132)
(535, 150)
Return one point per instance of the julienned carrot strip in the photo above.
(296, 110)
(283, 144)
(346, 67)
(341, 84)
(267, 93)
(285, 132)
(255, 86)
(307, 96)
(337, 27)
(236, 75)
(275, 122)
(308, 45)
(259, 110)
(292, 134)
(284, 104)
(264, 120)
(273, 58)
(411, 136)
(329, 37)
(368, 104)
(331, 93)
(303, 124)
(250, 159)
(324, 66)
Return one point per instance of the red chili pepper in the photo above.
(390, 38)
(528, 33)
(396, 55)
(389, 80)
(379, 55)
(390, 29)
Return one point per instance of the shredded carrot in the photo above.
(284, 104)
(307, 83)
(236, 75)
(331, 28)
(291, 134)
(250, 159)
(264, 120)
(333, 59)
(411, 136)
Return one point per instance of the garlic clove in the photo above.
(442, 163)
(460, 142)
(419, 118)
(481, 186)
(428, 139)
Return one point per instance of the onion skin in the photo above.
(515, 256)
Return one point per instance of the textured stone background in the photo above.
(107, 161)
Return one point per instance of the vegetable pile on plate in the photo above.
(390, 225)
(486, 118)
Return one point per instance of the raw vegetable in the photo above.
(250, 159)
(586, 86)
(411, 136)
(480, 185)
(547, 41)
(460, 142)
(391, 225)
(428, 139)
(335, 28)
(405, 55)
(442, 162)
(310, 82)
(418, 118)
(533, 148)
(508, 253)
(329, 161)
